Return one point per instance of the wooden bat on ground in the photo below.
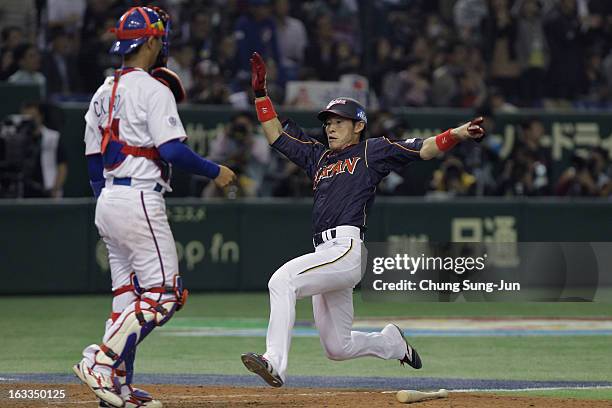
(407, 396)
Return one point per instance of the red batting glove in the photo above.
(258, 75)
(475, 128)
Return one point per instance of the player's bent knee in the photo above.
(279, 281)
(336, 352)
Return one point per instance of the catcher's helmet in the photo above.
(346, 107)
(134, 27)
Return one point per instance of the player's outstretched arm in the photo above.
(443, 142)
(263, 105)
(181, 156)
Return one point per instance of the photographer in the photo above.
(49, 165)
(246, 153)
(586, 177)
(452, 179)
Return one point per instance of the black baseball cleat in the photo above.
(257, 364)
(412, 357)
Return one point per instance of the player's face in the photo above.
(340, 132)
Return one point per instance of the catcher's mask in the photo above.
(134, 27)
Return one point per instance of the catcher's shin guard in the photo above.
(154, 308)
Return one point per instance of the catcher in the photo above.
(133, 137)
(344, 177)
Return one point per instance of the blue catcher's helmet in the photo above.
(134, 27)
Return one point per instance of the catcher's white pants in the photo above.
(135, 229)
(328, 275)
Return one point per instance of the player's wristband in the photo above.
(265, 110)
(446, 141)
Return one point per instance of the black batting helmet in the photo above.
(346, 107)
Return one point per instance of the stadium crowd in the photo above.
(492, 56)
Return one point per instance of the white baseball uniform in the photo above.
(132, 218)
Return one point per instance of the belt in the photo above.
(127, 181)
(338, 232)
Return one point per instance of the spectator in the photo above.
(596, 91)
(94, 59)
(287, 179)
(292, 39)
(60, 65)
(342, 14)
(468, 16)
(181, 61)
(321, 52)
(383, 64)
(347, 59)
(520, 177)
(565, 39)
(499, 32)
(532, 53)
(527, 169)
(11, 38)
(22, 14)
(28, 64)
(65, 14)
(445, 82)
(226, 58)
(246, 153)
(497, 101)
(50, 164)
(201, 35)
(208, 85)
(409, 87)
(452, 179)
(256, 31)
(472, 91)
(585, 177)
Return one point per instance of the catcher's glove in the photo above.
(171, 80)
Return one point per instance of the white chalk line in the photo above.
(594, 387)
(229, 397)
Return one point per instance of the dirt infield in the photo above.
(180, 396)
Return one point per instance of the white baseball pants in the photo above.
(328, 275)
(135, 229)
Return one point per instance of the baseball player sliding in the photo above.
(133, 137)
(344, 178)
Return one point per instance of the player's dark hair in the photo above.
(129, 57)
(362, 134)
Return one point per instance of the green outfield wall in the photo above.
(53, 246)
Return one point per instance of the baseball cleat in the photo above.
(101, 384)
(77, 371)
(412, 357)
(136, 399)
(257, 364)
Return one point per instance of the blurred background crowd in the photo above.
(489, 56)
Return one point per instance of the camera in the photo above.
(18, 154)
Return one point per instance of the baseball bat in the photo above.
(406, 396)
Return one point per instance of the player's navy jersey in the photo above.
(344, 182)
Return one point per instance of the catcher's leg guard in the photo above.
(154, 308)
